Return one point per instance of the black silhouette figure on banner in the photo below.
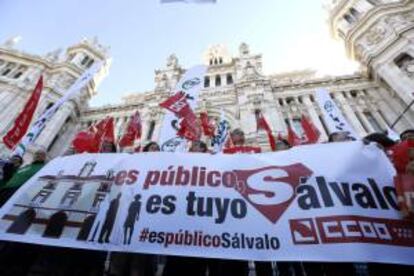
(109, 221)
(56, 224)
(133, 215)
(86, 228)
(22, 222)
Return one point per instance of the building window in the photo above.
(229, 79)
(349, 19)
(90, 62)
(5, 72)
(353, 93)
(354, 13)
(281, 102)
(85, 60)
(151, 130)
(218, 80)
(220, 60)
(374, 123)
(17, 75)
(402, 60)
(207, 81)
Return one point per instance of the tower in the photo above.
(380, 35)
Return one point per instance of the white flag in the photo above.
(334, 119)
(188, 1)
(221, 135)
(191, 84)
(40, 123)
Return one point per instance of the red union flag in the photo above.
(311, 131)
(177, 104)
(25, 117)
(133, 131)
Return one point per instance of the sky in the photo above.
(141, 34)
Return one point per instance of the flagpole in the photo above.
(402, 114)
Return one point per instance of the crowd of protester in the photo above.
(22, 259)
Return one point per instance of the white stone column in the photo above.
(350, 114)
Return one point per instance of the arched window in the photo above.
(354, 13)
(229, 79)
(90, 62)
(5, 72)
(218, 80)
(220, 60)
(85, 60)
(349, 19)
(17, 75)
(206, 81)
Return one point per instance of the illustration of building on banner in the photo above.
(63, 205)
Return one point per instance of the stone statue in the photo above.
(244, 49)
(172, 61)
(11, 42)
(54, 55)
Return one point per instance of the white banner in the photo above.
(334, 119)
(188, 1)
(190, 83)
(304, 204)
(40, 123)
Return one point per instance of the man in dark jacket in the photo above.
(22, 176)
(9, 168)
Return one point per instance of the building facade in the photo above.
(379, 34)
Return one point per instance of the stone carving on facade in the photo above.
(161, 80)
(376, 35)
(250, 72)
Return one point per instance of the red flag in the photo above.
(109, 135)
(190, 130)
(189, 125)
(85, 141)
(177, 104)
(262, 124)
(104, 132)
(208, 128)
(311, 131)
(22, 122)
(133, 131)
(293, 139)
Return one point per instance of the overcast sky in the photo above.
(291, 35)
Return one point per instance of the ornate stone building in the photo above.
(377, 33)
(19, 73)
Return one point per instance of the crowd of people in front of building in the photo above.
(21, 259)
